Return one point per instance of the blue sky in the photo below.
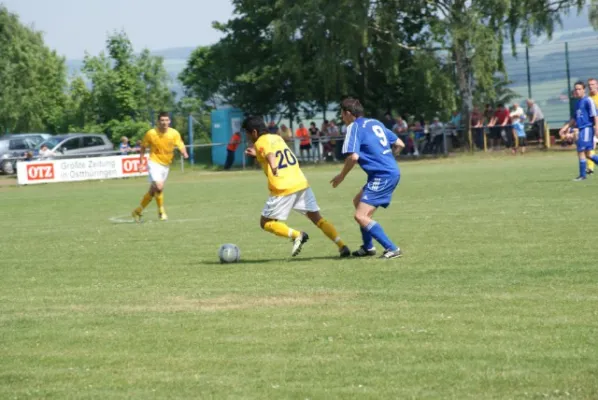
(72, 27)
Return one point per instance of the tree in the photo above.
(126, 85)
(473, 31)
(33, 79)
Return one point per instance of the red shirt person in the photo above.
(232, 147)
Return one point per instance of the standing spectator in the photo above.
(517, 113)
(497, 125)
(137, 147)
(478, 127)
(436, 135)
(519, 138)
(285, 133)
(44, 152)
(329, 142)
(232, 147)
(388, 121)
(304, 143)
(536, 119)
(272, 128)
(454, 128)
(315, 134)
(124, 147)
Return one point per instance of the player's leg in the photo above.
(275, 212)
(363, 216)
(147, 198)
(367, 248)
(306, 204)
(159, 185)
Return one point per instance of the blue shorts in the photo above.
(584, 146)
(378, 192)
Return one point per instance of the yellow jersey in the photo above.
(162, 145)
(594, 97)
(290, 178)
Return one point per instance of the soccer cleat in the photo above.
(298, 243)
(389, 254)
(163, 216)
(136, 215)
(363, 252)
(345, 252)
(579, 179)
(590, 171)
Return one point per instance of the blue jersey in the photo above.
(372, 141)
(585, 111)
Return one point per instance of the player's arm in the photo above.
(397, 147)
(350, 162)
(144, 144)
(181, 145)
(271, 158)
(350, 147)
(565, 128)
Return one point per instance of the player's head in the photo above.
(254, 127)
(579, 90)
(351, 109)
(163, 120)
(593, 86)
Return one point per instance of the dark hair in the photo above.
(254, 123)
(163, 114)
(353, 106)
(501, 105)
(312, 123)
(583, 85)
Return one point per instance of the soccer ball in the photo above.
(229, 253)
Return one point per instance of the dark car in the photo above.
(13, 147)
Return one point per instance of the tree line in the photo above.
(288, 58)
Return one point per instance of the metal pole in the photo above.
(444, 141)
(568, 78)
(190, 138)
(529, 76)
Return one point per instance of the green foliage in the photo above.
(33, 79)
(133, 130)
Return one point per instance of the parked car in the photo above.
(36, 137)
(13, 147)
(74, 144)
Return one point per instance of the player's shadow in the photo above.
(250, 261)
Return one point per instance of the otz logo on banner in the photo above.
(36, 172)
(130, 165)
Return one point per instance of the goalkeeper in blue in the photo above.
(586, 120)
(371, 145)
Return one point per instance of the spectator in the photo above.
(124, 147)
(536, 119)
(232, 147)
(477, 127)
(388, 121)
(272, 128)
(518, 136)
(304, 142)
(497, 125)
(418, 136)
(44, 152)
(517, 113)
(436, 135)
(453, 128)
(315, 134)
(137, 147)
(401, 129)
(329, 142)
(285, 133)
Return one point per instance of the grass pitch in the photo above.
(496, 296)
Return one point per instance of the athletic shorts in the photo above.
(584, 146)
(378, 192)
(305, 147)
(279, 207)
(157, 172)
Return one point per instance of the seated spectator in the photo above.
(137, 147)
(436, 135)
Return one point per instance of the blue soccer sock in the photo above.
(377, 232)
(594, 158)
(583, 164)
(367, 239)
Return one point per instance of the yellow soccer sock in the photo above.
(160, 201)
(330, 231)
(590, 162)
(147, 198)
(281, 229)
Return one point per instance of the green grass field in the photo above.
(496, 296)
